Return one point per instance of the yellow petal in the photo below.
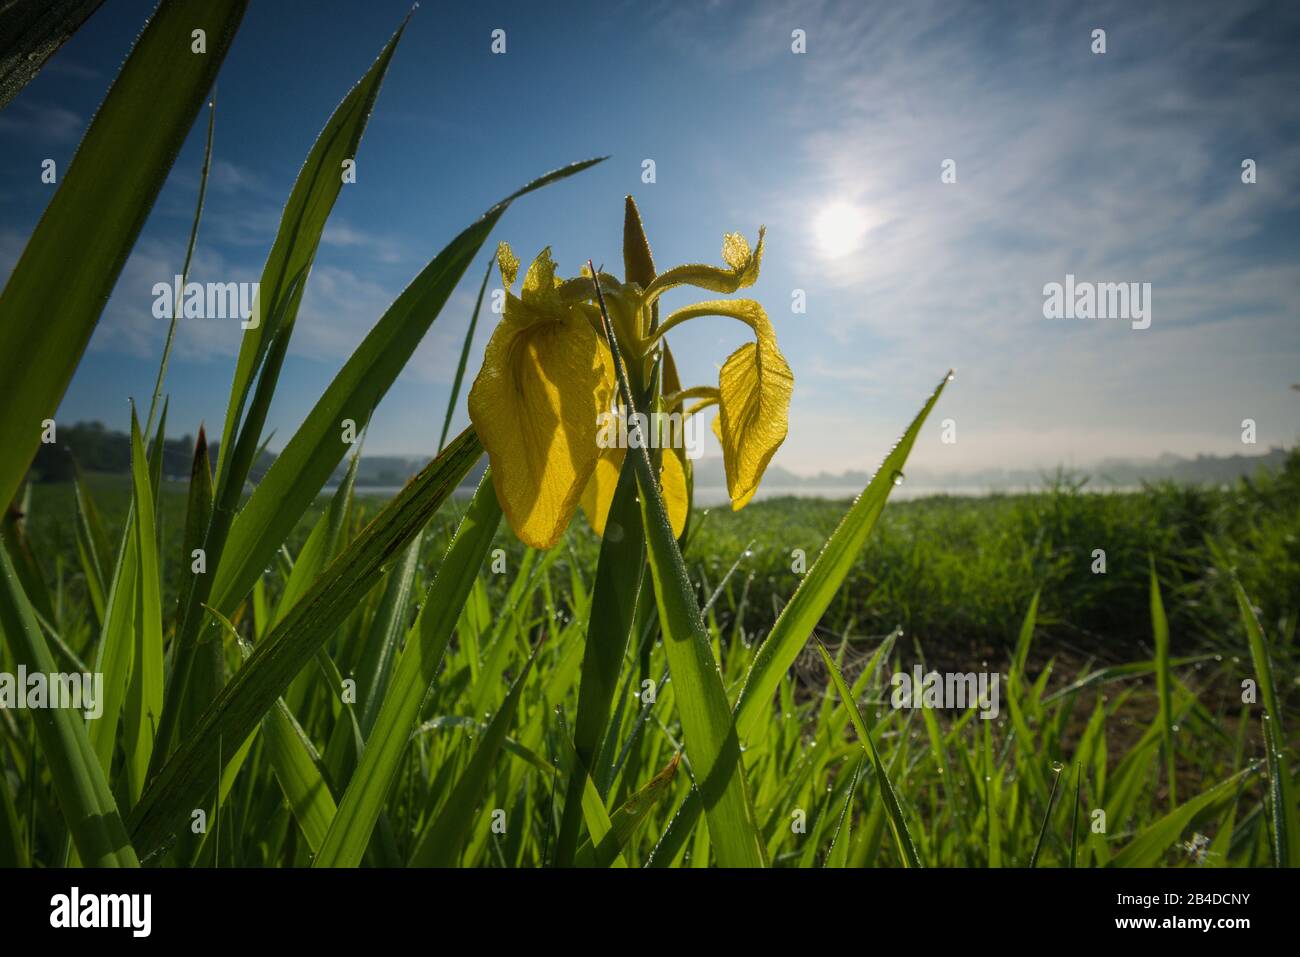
(599, 494)
(755, 386)
(742, 270)
(543, 297)
(508, 263)
(672, 481)
(540, 282)
(534, 405)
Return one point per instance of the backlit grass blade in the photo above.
(309, 458)
(185, 266)
(186, 777)
(464, 356)
(625, 821)
(599, 825)
(93, 220)
(388, 630)
(1259, 654)
(207, 676)
(116, 643)
(345, 844)
(1284, 814)
(263, 347)
(1151, 844)
(838, 853)
(897, 823)
(145, 691)
(1074, 816)
(609, 629)
(302, 223)
(441, 843)
(321, 545)
(711, 743)
(813, 596)
(294, 760)
(1160, 633)
(79, 781)
(1019, 700)
(98, 553)
(1047, 817)
(1281, 806)
(297, 768)
(34, 30)
(800, 615)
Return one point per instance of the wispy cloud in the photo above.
(42, 122)
(1123, 166)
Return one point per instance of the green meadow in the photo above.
(997, 583)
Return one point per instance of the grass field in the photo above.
(957, 576)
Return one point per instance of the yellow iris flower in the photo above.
(548, 380)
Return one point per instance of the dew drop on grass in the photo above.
(897, 478)
(1057, 767)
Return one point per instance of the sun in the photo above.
(839, 229)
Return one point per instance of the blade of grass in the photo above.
(464, 356)
(185, 268)
(302, 223)
(609, 629)
(1047, 816)
(441, 843)
(33, 32)
(625, 821)
(79, 782)
(800, 616)
(263, 347)
(837, 854)
(185, 778)
(145, 691)
(309, 458)
(897, 823)
(375, 668)
(208, 677)
(96, 215)
(1285, 816)
(1160, 632)
(362, 802)
(1074, 817)
(710, 734)
(1152, 842)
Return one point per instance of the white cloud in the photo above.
(1120, 167)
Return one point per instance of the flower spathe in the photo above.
(548, 376)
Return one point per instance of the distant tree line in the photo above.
(96, 448)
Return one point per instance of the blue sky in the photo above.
(1120, 167)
